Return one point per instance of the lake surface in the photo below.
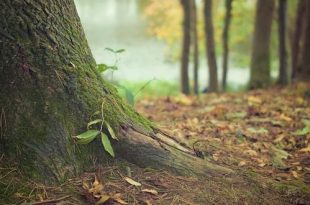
(119, 24)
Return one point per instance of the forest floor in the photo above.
(262, 135)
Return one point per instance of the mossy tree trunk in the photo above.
(260, 62)
(50, 87)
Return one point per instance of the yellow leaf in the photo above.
(252, 100)
(294, 173)
(131, 181)
(307, 149)
(285, 118)
(241, 163)
(117, 198)
(103, 199)
(151, 191)
(85, 185)
(147, 202)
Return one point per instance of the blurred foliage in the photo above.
(165, 23)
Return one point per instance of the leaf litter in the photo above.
(262, 136)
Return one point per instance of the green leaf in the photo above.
(93, 122)
(112, 67)
(130, 98)
(110, 49)
(102, 67)
(259, 130)
(107, 144)
(86, 137)
(111, 131)
(120, 51)
(303, 131)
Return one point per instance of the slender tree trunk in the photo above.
(296, 47)
(196, 46)
(260, 62)
(304, 73)
(49, 88)
(283, 71)
(186, 5)
(228, 5)
(210, 46)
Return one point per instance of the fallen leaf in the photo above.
(147, 202)
(241, 163)
(252, 100)
(131, 181)
(278, 156)
(285, 118)
(294, 173)
(307, 149)
(250, 152)
(151, 191)
(103, 199)
(303, 131)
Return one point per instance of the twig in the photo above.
(51, 200)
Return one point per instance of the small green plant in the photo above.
(103, 67)
(92, 133)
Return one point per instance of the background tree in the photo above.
(298, 30)
(186, 5)
(50, 88)
(283, 71)
(210, 46)
(260, 60)
(303, 74)
(228, 6)
(195, 46)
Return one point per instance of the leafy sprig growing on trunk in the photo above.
(91, 134)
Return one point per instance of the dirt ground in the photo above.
(262, 135)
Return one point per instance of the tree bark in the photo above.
(300, 14)
(228, 5)
(260, 62)
(283, 71)
(195, 46)
(50, 88)
(210, 46)
(304, 73)
(186, 5)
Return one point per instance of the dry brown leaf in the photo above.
(151, 191)
(241, 163)
(294, 173)
(250, 152)
(285, 118)
(131, 181)
(117, 198)
(147, 202)
(307, 149)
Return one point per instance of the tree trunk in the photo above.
(186, 46)
(210, 46)
(304, 73)
(300, 14)
(260, 62)
(196, 46)
(50, 88)
(228, 5)
(283, 71)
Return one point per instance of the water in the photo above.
(119, 24)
